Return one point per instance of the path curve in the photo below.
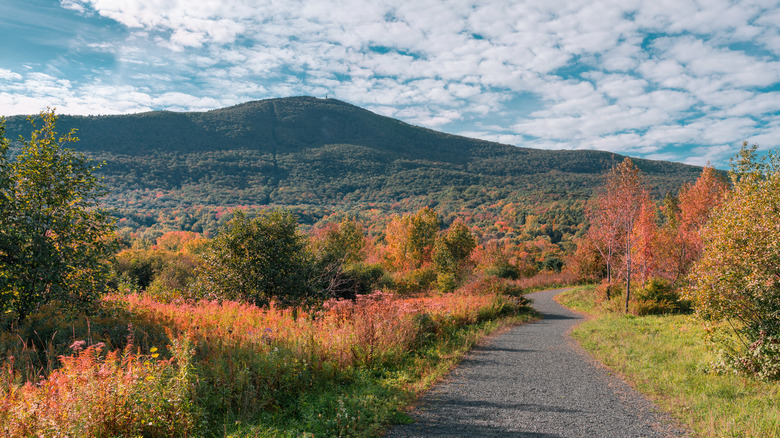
(535, 381)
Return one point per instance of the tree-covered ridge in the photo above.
(323, 156)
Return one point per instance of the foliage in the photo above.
(121, 393)
(679, 243)
(410, 239)
(257, 260)
(664, 358)
(452, 256)
(737, 278)
(585, 263)
(54, 241)
(615, 217)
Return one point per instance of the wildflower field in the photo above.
(139, 367)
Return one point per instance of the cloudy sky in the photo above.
(663, 79)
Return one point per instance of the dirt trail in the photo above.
(534, 381)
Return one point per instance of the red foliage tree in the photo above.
(646, 231)
(612, 221)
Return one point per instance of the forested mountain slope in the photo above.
(320, 156)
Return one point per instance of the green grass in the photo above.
(666, 358)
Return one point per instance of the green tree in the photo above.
(6, 237)
(453, 248)
(55, 243)
(341, 243)
(257, 260)
(737, 279)
(339, 255)
(451, 255)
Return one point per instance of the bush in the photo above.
(415, 280)
(503, 270)
(657, 297)
(353, 279)
(737, 278)
(446, 282)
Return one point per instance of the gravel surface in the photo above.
(534, 381)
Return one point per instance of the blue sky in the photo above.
(662, 79)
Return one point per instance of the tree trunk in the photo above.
(628, 271)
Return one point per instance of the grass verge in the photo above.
(666, 358)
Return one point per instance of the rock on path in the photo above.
(534, 381)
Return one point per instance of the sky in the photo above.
(676, 80)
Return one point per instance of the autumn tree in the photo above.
(737, 279)
(646, 231)
(177, 241)
(410, 239)
(55, 241)
(586, 261)
(680, 243)
(617, 208)
(604, 232)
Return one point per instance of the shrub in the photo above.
(415, 280)
(503, 269)
(446, 282)
(657, 297)
(737, 278)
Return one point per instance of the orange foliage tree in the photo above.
(680, 243)
(646, 231)
(410, 239)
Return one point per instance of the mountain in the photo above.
(324, 156)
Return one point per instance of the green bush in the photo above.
(446, 282)
(415, 280)
(658, 297)
(504, 270)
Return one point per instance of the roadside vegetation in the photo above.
(666, 358)
(688, 300)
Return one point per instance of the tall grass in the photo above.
(342, 370)
(667, 358)
(546, 280)
(120, 393)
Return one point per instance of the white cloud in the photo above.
(8, 75)
(626, 75)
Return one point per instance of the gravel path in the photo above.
(534, 381)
